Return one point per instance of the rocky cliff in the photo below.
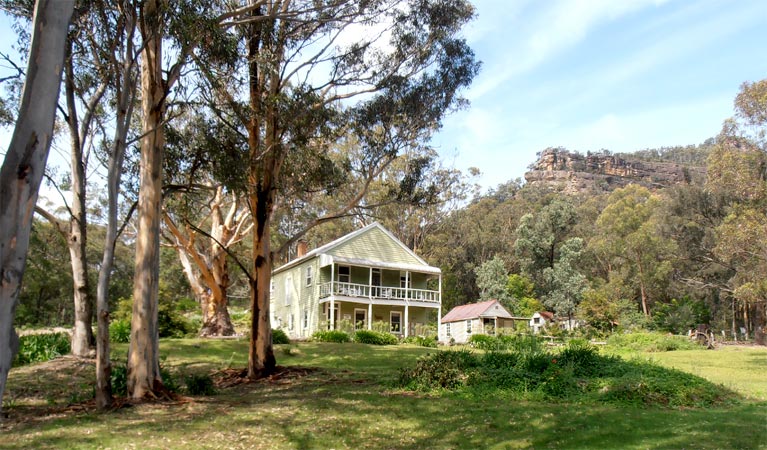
(573, 172)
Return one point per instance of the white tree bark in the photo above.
(24, 163)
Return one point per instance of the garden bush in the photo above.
(279, 336)
(41, 347)
(650, 342)
(119, 379)
(330, 336)
(441, 370)
(577, 371)
(375, 337)
(119, 331)
(172, 324)
(199, 384)
(423, 341)
(484, 342)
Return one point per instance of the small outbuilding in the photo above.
(489, 317)
(541, 320)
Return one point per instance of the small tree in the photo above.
(492, 281)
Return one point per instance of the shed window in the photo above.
(447, 329)
(468, 327)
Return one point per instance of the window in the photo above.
(395, 321)
(309, 275)
(306, 318)
(447, 329)
(468, 327)
(344, 274)
(336, 313)
(290, 321)
(288, 291)
(405, 282)
(537, 320)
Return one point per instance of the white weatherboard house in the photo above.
(489, 317)
(365, 277)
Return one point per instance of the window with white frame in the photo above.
(395, 321)
(309, 275)
(288, 291)
(344, 274)
(306, 318)
(447, 329)
(290, 321)
(468, 326)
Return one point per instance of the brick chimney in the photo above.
(301, 248)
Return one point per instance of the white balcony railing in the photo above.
(377, 292)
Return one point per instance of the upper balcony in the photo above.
(378, 293)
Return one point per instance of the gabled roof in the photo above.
(490, 308)
(348, 237)
(546, 315)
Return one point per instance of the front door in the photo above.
(360, 319)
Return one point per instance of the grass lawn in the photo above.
(348, 402)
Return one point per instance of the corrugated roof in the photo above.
(474, 310)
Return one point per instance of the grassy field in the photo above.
(348, 402)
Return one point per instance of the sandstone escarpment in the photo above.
(573, 172)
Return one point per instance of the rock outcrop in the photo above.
(572, 172)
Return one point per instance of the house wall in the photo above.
(458, 331)
(304, 300)
(375, 245)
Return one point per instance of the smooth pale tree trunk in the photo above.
(82, 335)
(24, 163)
(144, 378)
(126, 93)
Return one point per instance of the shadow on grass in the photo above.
(348, 406)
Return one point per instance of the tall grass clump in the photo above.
(41, 347)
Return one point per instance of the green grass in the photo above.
(349, 403)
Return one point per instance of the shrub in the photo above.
(119, 331)
(484, 342)
(172, 324)
(279, 336)
(330, 336)
(375, 337)
(423, 341)
(199, 384)
(650, 342)
(41, 347)
(581, 356)
(442, 370)
(119, 379)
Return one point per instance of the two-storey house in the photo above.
(364, 278)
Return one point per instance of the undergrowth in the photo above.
(577, 372)
(41, 347)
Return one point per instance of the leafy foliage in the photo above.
(279, 336)
(375, 337)
(41, 347)
(578, 371)
(650, 342)
(199, 384)
(119, 331)
(331, 336)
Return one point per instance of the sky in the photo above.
(620, 75)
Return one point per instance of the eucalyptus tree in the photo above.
(315, 73)
(24, 162)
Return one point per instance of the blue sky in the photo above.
(621, 75)
(591, 74)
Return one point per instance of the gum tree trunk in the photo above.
(144, 378)
(24, 163)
